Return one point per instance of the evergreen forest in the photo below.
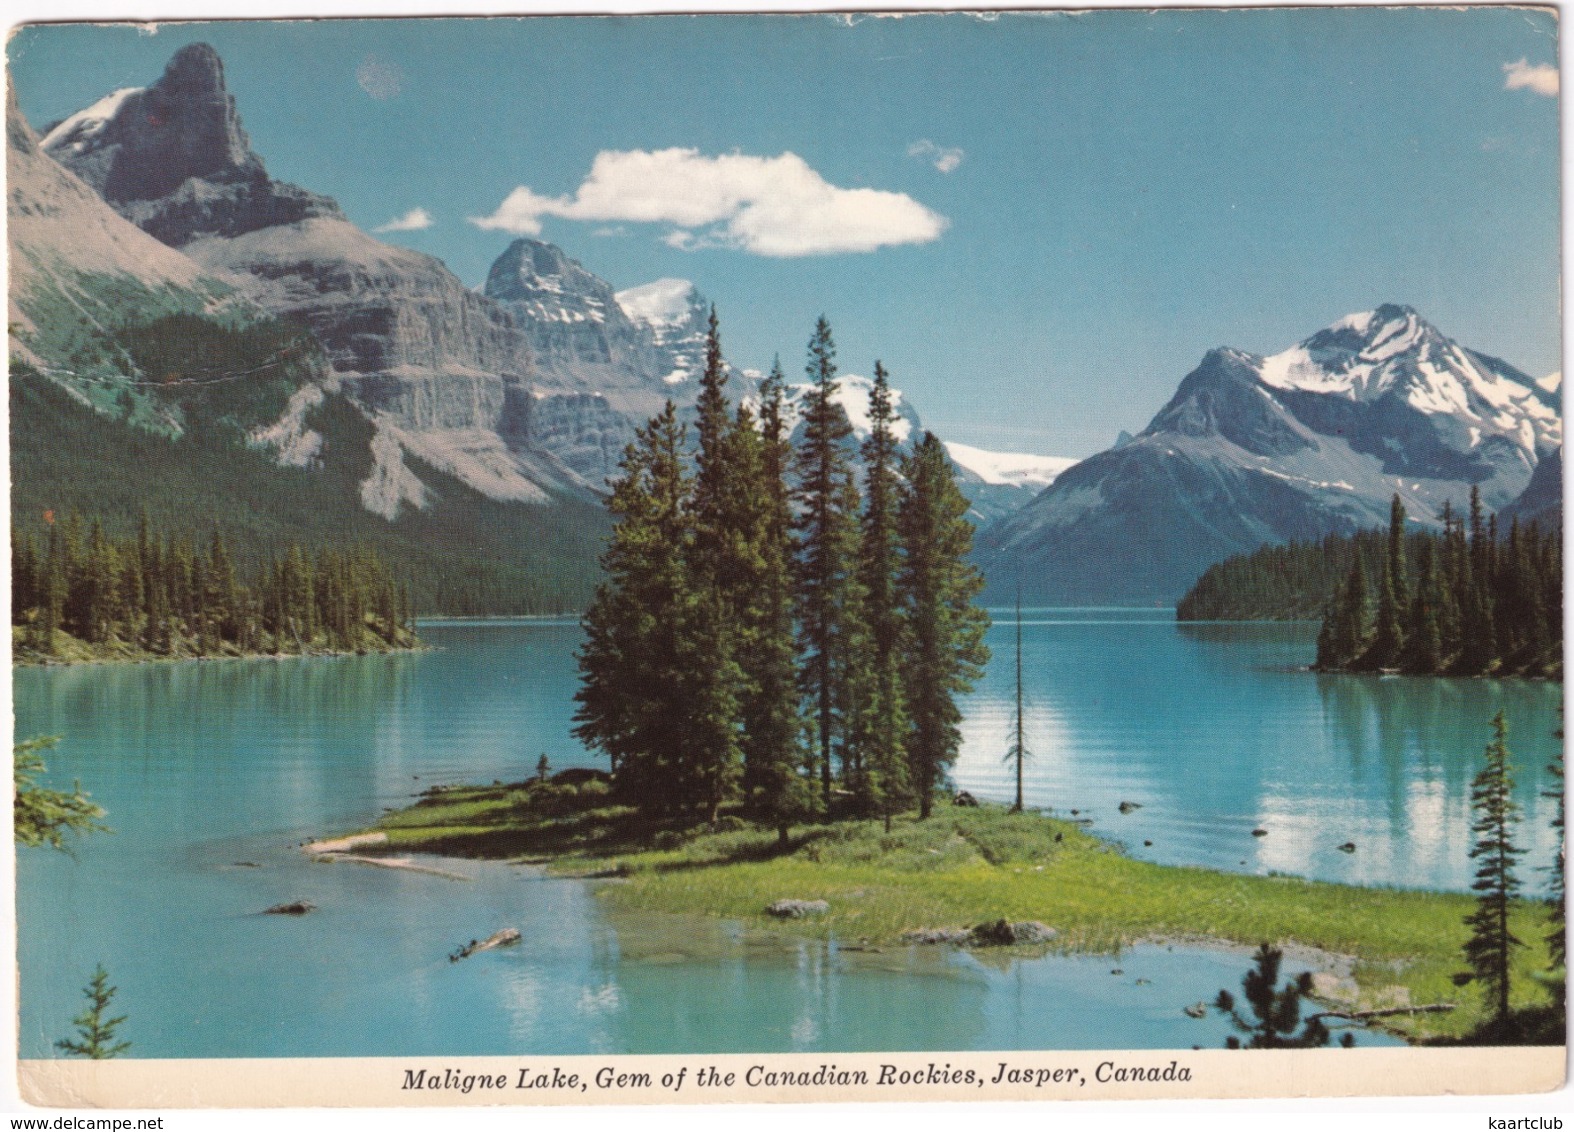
(77, 594)
(782, 630)
(1472, 599)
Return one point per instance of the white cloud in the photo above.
(1541, 78)
(945, 158)
(412, 221)
(771, 206)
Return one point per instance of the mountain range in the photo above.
(1313, 440)
(153, 255)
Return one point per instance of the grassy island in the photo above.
(964, 866)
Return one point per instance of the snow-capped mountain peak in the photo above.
(547, 285)
(1252, 449)
(1367, 356)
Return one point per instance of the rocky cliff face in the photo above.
(580, 337)
(442, 371)
(1253, 450)
(605, 361)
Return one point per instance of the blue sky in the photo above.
(1039, 222)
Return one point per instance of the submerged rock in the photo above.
(797, 909)
(1197, 1010)
(292, 908)
(1127, 807)
(1347, 847)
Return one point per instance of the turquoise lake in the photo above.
(214, 773)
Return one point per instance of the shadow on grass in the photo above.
(556, 819)
(1544, 1025)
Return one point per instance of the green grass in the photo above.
(966, 866)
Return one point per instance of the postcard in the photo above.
(736, 558)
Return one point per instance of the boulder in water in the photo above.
(292, 908)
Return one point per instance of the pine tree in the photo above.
(773, 724)
(1424, 640)
(1479, 635)
(881, 712)
(827, 535)
(43, 816)
(1276, 1011)
(945, 640)
(632, 663)
(1345, 638)
(1389, 642)
(96, 1034)
(725, 565)
(1490, 948)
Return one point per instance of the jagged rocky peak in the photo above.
(549, 285)
(140, 144)
(174, 159)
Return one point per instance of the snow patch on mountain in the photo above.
(676, 317)
(1022, 469)
(73, 135)
(664, 303)
(852, 394)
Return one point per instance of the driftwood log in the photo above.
(504, 938)
(1389, 1012)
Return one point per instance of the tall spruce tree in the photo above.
(1388, 644)
(773, 725)
(724, 566)
(630, 676)
(1479, 636)
(1423, 641)
(881, 716)
(945, 641)
(827, 540)
(1490, 949)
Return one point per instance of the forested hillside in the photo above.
(473, 555)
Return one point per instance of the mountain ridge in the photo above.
(1256, 449)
